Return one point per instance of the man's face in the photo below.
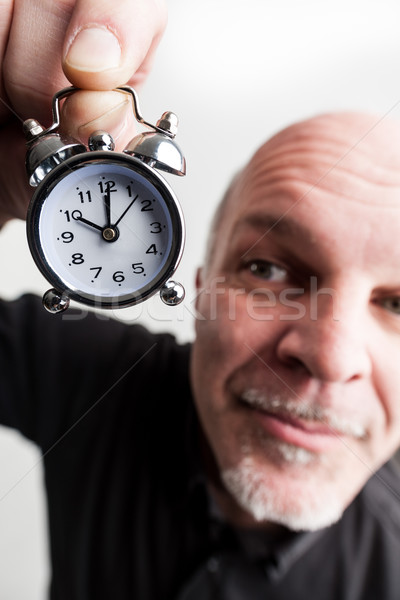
(295, 368)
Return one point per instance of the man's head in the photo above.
(295, 364)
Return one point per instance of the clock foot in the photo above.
(172, 293)
(55, 301)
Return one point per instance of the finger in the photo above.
(38, 34)
(87, 111)
(107, 47)
(5, 23)
(44, 31)
(31, 69)
(15, 191)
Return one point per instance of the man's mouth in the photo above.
(310, 427)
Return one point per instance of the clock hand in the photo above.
(90, 223)
(107, 198)
(125, 211)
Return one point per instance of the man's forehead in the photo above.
(339, 135)
(346, 156)
(328, 145)
(272, 223)
(341, 162)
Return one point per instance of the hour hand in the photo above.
(90, 223)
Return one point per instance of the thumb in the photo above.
(107, 45)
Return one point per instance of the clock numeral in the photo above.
(82, 196)
(77, 258)
(118, 276)
(76, 215)
(156, 227)
(138, 268)
(146, 205)
(107, 186)
(152, 249)
(98, 269)
(67, 237)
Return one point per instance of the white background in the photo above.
(235, 72)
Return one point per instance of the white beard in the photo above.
(264, 500)
(283, 483)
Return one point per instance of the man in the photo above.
(294, 367)
(263, 485)
(295, 375)
(269, 490)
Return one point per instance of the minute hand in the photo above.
(125, 211)
(107, 203)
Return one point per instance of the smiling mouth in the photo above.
(293, 422)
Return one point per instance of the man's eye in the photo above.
(392, 304)
(267, 270)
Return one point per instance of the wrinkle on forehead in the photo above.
(351, 154)
(339, 134)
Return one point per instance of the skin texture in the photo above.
(295, 364)
(38, 57)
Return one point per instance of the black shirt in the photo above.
(129, 513)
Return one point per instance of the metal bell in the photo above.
(46, 151)
(158, 149)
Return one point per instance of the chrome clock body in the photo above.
(105, 228)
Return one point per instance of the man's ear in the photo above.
(199, 278)
(199, 285)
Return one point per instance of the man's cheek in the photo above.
(221, 317)
(220, 352)
(211, 299)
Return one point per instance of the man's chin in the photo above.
(276, 497)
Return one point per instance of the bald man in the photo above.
(255, 464)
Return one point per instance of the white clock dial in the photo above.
(106, 232)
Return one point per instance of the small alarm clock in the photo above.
(105, 228)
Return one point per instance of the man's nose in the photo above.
(330, 340)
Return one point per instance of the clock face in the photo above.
(106, 228)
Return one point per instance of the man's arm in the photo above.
(48, 44)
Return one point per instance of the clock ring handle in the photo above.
(138, 116)
(55, 108)
(67, 91)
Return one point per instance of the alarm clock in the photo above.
(104, 227)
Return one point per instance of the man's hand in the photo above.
(48, 44)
